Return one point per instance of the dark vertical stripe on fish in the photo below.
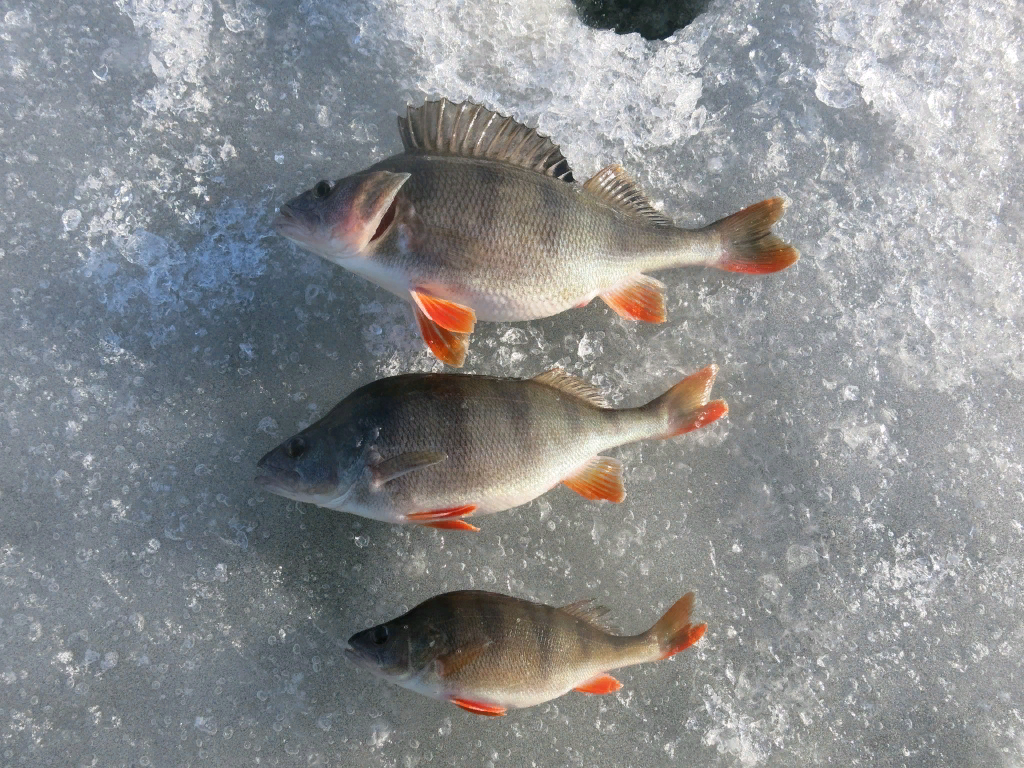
(545, 641)
(524, 421)
(572, 415)
(553, 211)
(584, 638)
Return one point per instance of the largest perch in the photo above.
(480, 218)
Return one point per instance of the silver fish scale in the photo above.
(531, 652)
(513, 243)
(505, 440)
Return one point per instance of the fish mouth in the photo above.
(284, 482)
(359, 659)
(288, 224)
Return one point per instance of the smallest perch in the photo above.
(488, 653)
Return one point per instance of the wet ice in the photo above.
(852, 531)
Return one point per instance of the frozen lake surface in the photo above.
(853, 529)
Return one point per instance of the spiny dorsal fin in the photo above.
(558, 379)
(613, 187)
(470, 130)
(587, 611)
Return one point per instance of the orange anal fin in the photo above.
(449, 315)
(451, 525)
(599, 685)
(450, 348)
(685, 640)
(703, 416)
(638, 297)
(434, 515)
(598, 479)
(479, 708)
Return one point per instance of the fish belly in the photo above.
(493, 485)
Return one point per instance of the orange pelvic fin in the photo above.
(479, 708)
(434, 515)
(674, 632)
(638, 297)
(449, 315)
(748, 243)
(450, 348)
(600, 684)
(451, 525)
(599, 479)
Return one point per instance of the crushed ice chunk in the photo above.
(71, 218)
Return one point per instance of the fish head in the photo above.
(344, 219)
(386, 650)
(317, 465)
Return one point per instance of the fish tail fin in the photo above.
(674, 631)
(685, 407)
(748, 243)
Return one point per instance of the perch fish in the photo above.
(480, 219)
(435, 448)
(488, 653)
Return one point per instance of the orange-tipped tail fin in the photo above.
(674, 632)
(748, 243)
(713, 411)
(685, 407)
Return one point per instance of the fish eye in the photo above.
(322, 189)
(380, 634)
(295, 447)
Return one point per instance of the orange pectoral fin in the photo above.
(598, 479)
(450, 348)
(638, 297)
(449, 315)
(600, 684)
(479, 708)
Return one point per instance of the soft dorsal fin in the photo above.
(613, 187)
(558, 379)
(586, 610)
(471, 130)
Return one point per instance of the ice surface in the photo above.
(853, 529)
